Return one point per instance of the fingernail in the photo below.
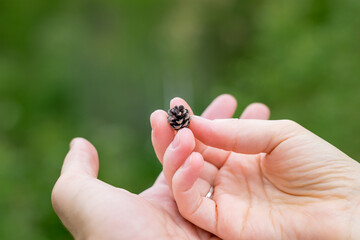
(176, 142)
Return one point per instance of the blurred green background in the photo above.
(97, 69)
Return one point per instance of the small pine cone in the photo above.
(179, 117)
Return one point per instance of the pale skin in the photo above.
(92, 209)
(272, 180)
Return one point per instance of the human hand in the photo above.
(92, 209)
(274, 180)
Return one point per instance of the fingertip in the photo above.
(185, 131)
(179, 101)
(261, 107)
(76, 142)
(176, 100)
(223, 106)
(187, 137)
(156, 117)
(256, 111)
(197, 161)
(183, 142)
(159, 124)
(81, 159)
(162, 134)
(230, 99)
(82, 144)
(197, 122)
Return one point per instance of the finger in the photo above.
(212, 155)
(80, 168)
(256, 111)
(179, 101)
(161, 134)
(82, 159)
(218, 157)
(209, 172)
(177, 152)
(197, 209)
(203, 186)
(243, 136)
(223, 106)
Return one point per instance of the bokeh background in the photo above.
(98, 68)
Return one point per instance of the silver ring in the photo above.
(210, 193)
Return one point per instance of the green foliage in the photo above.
(97, 69)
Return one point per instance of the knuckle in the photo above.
(60, 189)
(57, 195)
(290, 124)
(64, 191)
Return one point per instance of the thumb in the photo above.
(244, 136)
(80, 167)
(82, 159)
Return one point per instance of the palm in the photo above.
(101, 211)
(245, 197)
(293, 192)
(153, 210)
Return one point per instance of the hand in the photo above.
(92, 209)
(274, 180)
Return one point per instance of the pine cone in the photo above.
(179, 117)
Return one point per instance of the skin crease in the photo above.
(92, 209)
(272, 180)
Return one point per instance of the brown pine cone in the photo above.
(179, 117)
